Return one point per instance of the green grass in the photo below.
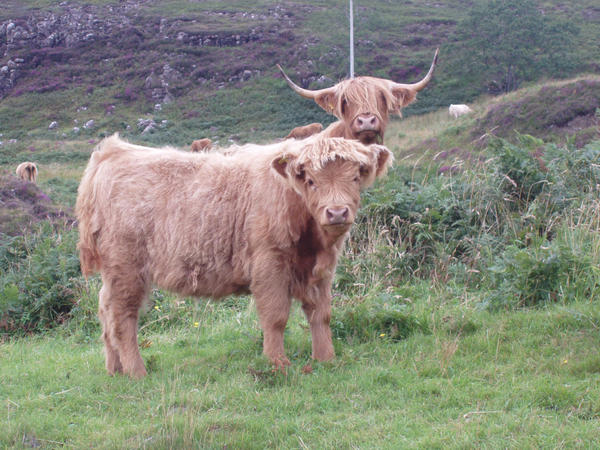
(394, 41)
(524, 379)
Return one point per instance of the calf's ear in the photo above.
(285, 166)
(381, 158)
(280, 164)
(384, 159)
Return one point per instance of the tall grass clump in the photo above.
(521, 223)
(40, 280)
(378, 316)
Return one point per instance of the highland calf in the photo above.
(363, 104)
(271, 220)
(305, 131)
(27, 171)
(458, 110)
(201, 145)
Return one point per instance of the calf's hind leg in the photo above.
(113, 362)
(119, 308)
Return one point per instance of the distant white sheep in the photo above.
(27, 171)
(459, 110)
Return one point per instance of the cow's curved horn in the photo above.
(306, 93)
(420, 84)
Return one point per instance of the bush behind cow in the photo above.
(270, 220)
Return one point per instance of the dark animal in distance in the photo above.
(201, 145)
(27, 171)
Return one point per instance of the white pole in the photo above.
(351, 41)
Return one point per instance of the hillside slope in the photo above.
(562, 112)
(210, 66)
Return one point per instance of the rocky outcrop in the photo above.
(78, 35)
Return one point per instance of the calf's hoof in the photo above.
(280, 363)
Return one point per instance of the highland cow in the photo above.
(27, 171)
(363, 104)
(201, 145)
(305, 131)
(270, 221)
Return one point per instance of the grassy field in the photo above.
(526, 379)
(465, 316)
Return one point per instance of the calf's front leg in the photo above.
(273, 314)
(318, 314)
(273, 301)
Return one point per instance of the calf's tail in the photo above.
(89, 206)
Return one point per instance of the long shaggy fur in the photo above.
(266, 219)
(27, 171)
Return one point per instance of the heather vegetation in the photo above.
(465, 303)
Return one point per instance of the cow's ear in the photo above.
(403, 97)
(327, 101)
(380, 159)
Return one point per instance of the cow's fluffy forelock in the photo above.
(364, 94)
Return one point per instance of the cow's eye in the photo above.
(311, 184)
(344, 106)
(356, 179)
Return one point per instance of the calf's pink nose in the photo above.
(337, 216)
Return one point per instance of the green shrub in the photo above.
(546, 272)
(42, 280)
(522, 173)
(419, 223)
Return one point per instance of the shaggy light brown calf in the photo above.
(27, 171)
(200, 145)
(266, 219)
(305, 131)
(363, 104)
